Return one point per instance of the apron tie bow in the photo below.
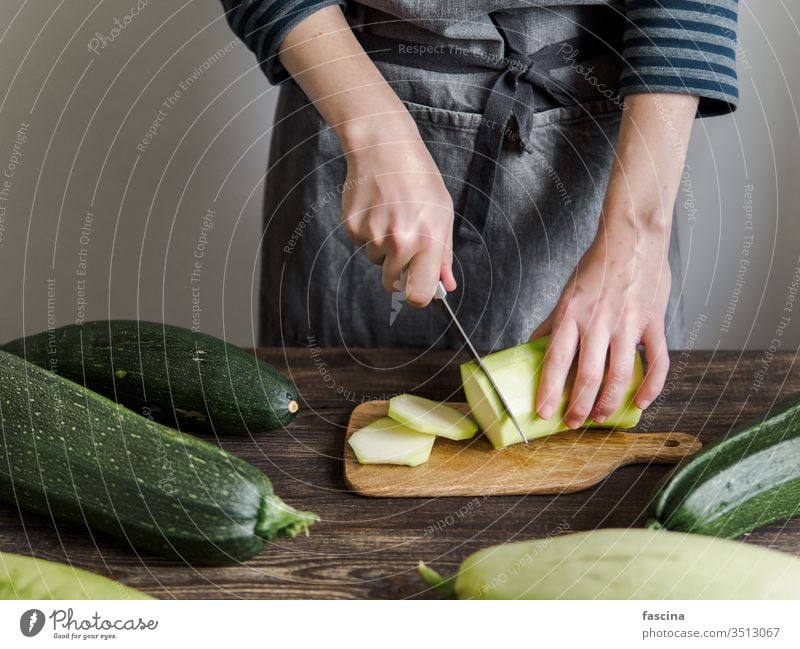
(522, 88)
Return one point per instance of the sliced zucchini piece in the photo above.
(428, 416)
(385, 441)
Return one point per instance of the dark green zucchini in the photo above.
(73, 455)
(747, 480)
(184, 379)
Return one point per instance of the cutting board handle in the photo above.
(668, 448)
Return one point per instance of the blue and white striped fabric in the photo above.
(681, 46)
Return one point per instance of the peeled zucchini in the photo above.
(432, 417)
(517, 372)
(29, 578)
(385, 441)
(623, 564)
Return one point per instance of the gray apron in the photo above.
(524, 142)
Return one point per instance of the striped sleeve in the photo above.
(263, 24)
(682, 46)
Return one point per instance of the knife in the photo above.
(441, 299)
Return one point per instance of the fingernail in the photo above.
(546, 411)
(600, 418)
(644, 404)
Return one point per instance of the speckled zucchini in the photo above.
(747, 480)
(182, 378)
(73, 455)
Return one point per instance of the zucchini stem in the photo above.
(443, 585)
(277, 519)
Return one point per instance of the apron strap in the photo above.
(522, 88)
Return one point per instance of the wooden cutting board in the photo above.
(561, 463)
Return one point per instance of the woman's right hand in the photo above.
(396, 205)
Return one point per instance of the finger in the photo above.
(618, 378)
(352, 228)
(353, 216)
(446, 271)
(375, 253)
(655, 349)
(423, 275)
(369, 227)
(371, 231)
(588, 377)
(555, 370)
(394, 264)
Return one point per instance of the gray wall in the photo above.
(98, 221)
(738, 205)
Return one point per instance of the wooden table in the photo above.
(368, 548)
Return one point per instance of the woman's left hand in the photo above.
(616, 298)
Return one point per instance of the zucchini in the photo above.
(385, 441)
(186, 380)
(516, 371)
(747, 480)
(432, 417)
(73, 455)
(29, 578)
(623, 564)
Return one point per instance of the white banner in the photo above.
(401, 624)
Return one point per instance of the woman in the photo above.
(526, 153)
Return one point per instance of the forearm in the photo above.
(618, 294)
(401, 213)
(650, 154)
(327, 61)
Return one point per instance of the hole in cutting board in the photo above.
(672, 443)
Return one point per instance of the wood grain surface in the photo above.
(369, 547)
(563, 463)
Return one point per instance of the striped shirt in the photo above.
(677, 46)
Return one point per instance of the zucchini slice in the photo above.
(385, 441)
(432, 417)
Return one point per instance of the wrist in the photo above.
(654, 222)
(643, 236)
(394, 125)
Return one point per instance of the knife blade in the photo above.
(440, 297)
